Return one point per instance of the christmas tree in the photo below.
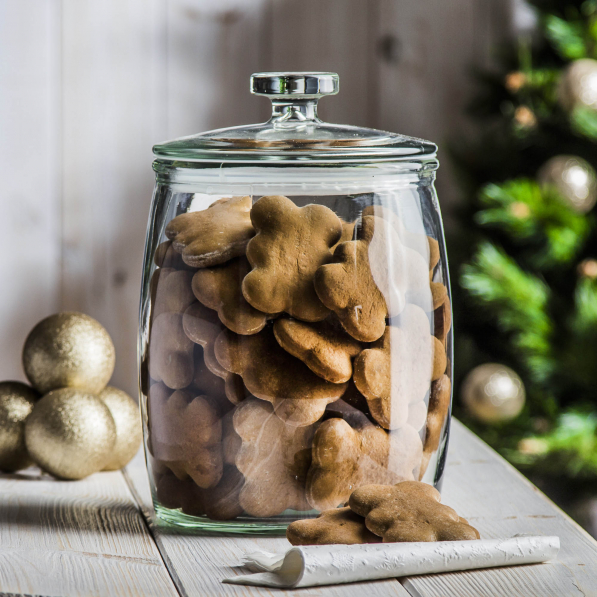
(524, 258)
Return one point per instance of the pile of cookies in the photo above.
(292, 357)
(407, 511)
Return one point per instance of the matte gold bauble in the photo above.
(126, 415)
(574, 179)
(16, 402)
(493, 393)
(70, 433)
(69, 350)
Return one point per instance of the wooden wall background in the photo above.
(87, 86)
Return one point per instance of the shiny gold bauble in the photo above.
(493, 393)
(126, 415)
(578, 85)
(16, 403)
(69, 350)
(70, 433)
(574, 179)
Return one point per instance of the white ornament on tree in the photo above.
(493, 393)
(578, 85)
(574, 179)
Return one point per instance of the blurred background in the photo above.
(508, 90)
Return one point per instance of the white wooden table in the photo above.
(98, 537)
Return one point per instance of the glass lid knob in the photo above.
(296, 85)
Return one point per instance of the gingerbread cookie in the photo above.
(325, 349)
(290, 244)
(186, 432)
(170, 352)
(217, 503)
(409, 511)
(219, 288)
(347, 233)
(213, 235)
(439, 405)
(397, 369)
(442, 321)
(203, 379)
(337, 526)
(440, 359)
(173, 293)
(298, 395)
(166, 256)
(202, 326)
(274, 459)
(439, 294)
(348, 455)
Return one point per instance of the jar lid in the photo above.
(294, 132)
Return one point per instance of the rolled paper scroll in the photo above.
(315, 565)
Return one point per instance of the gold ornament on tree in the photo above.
(578, 85)
(573, 178)
(588, 269)
(69, 350)
(70, 433)
(16, 403)
(125, 412)
(493, 393)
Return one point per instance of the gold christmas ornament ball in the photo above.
(126, 415)
(69, 350)
(70, 433)
(574, 179)
(578, 85)
(16, 403)
(493, 393)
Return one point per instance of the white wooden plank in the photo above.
(479, 484)
(113, 84)
(198, 564)
(76, 538)
(500, 502)
(329, 35)
(29, 161)
(212, 50)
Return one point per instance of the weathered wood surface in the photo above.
(87, 86)
(479, 484)
(67, 538)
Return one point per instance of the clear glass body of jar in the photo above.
(295, 319)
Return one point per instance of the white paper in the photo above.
(315, 565)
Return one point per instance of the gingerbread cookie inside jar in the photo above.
(295, 333)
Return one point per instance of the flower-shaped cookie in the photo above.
(336, 526)
(290, 244)
(213, 235)
(298, 395)
(409, 511)
(398, 368)
(274, 459)
(219, 288)
(354, 452)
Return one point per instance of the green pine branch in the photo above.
(527, 212)
(520, 302)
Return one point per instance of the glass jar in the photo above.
(295, 316)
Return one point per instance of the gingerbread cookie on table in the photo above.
(273, 457)
(397, 369)
(324, 348)
(354, 452)
(336, 526)
(409, 511)
(214, 235)
(219, 288)
(298, 395)
(290, 244)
